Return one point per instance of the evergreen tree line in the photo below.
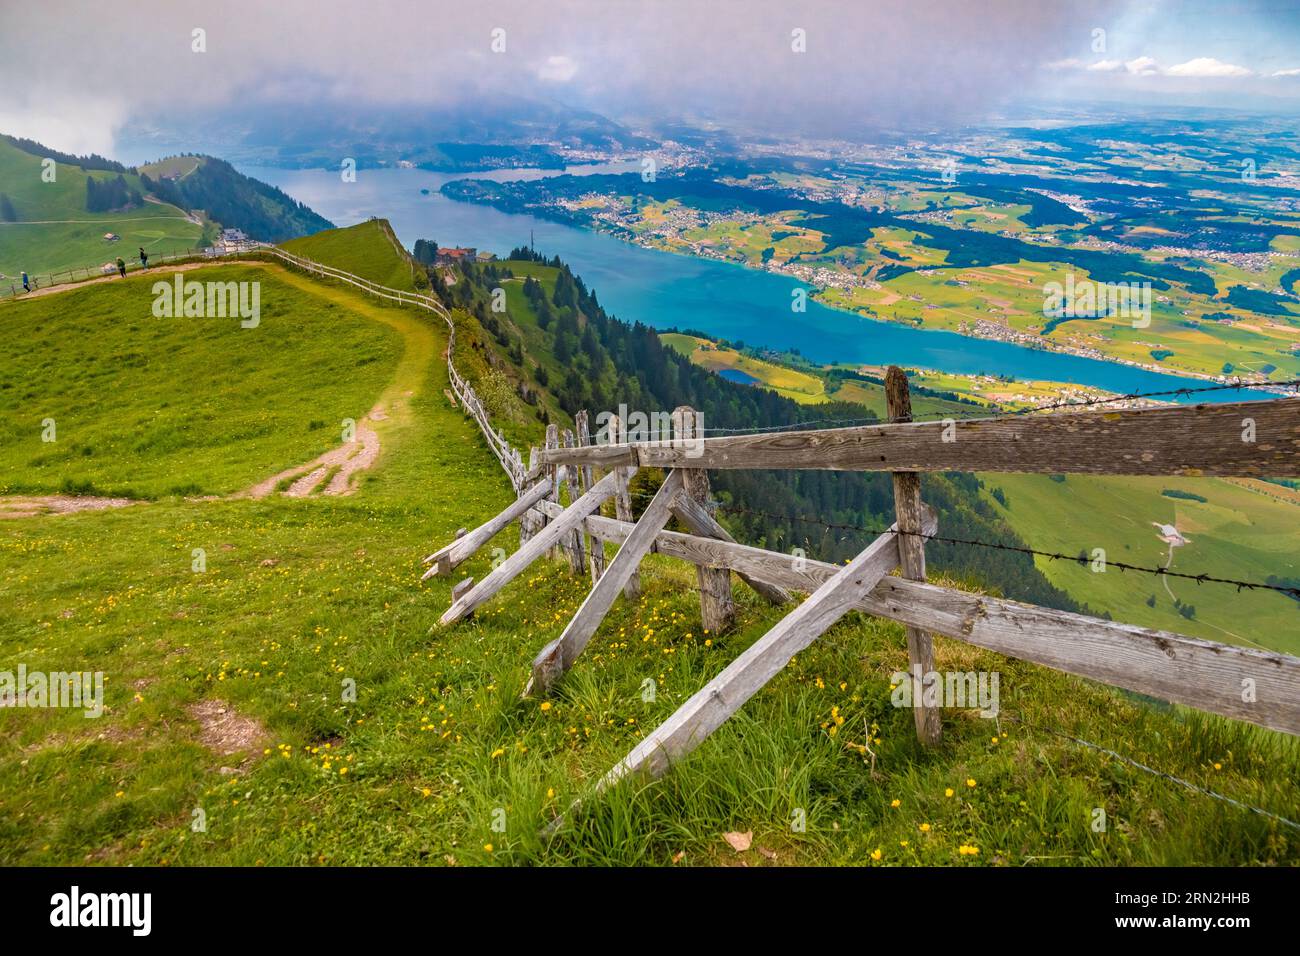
(104, 195)
(93, 161)
(262, 211)
(610, 362)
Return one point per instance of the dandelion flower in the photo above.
(970, 781)
(895, 803)
(925, 828)
(876, 854)
(948, 792)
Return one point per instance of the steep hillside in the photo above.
(554, 348)
(174, 205)
(369, 249)
(229, 197)
(46, 226)
(233, 632)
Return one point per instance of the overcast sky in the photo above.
(72, 74)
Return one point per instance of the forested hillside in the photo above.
(561, 353)
(235, 200)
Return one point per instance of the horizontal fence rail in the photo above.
(1163, 664)
(1233, 439)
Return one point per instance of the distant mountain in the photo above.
(503, 132)
(228, 196)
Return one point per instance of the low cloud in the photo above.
(1207, 66)
(557, 69)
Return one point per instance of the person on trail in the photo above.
(144, 258)
(121, 267)
(27, 283)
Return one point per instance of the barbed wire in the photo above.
(1157, 773)
(1202, 578)
(1008, 413)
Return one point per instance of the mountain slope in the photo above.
(229, 197)
(51, 227)
(226, 680)
(170, 206)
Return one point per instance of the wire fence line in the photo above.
(1013, 412)
(1203, 578)
(1164, 775)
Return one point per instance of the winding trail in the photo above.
(331, 474)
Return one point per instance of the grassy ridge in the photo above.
(210, 408)
(368, 249)
(439, 762)
(52, 245)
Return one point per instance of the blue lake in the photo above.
(664, 290)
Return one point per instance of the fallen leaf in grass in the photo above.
(740, 842)
(677, 857)
(770, 854)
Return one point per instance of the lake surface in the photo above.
(665, 290)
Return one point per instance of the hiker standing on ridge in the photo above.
(121, 267)
(27, 283)
(144, 258)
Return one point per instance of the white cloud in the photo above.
(557, 69)
(1142, 66)
(1073, 63)
(1105, 66)
(1204, 66)
(1295, 72)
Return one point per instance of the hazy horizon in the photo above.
(77, 79)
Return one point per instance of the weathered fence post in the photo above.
(527, 523)
(595, 547)
(911, 559)
(717, 609)
(615, 435)
(573, 543)
(553, 441)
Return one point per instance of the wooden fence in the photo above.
(1230, 439)
(1240, 439)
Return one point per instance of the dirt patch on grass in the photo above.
(342, 463)
(29, 506)
(225, 732)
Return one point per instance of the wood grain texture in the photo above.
(911, 552)
(692, 514)
(558, 656)
(623, 504)
(1162, 664)
(464, 547)
(574, 548)
(595, 551)
(721, 697)
(717, 608)
(1189, 440)
(570, 518)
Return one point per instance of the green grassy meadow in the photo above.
(438, 761)
(55, 231)
(211, 407)
(1236, 533)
